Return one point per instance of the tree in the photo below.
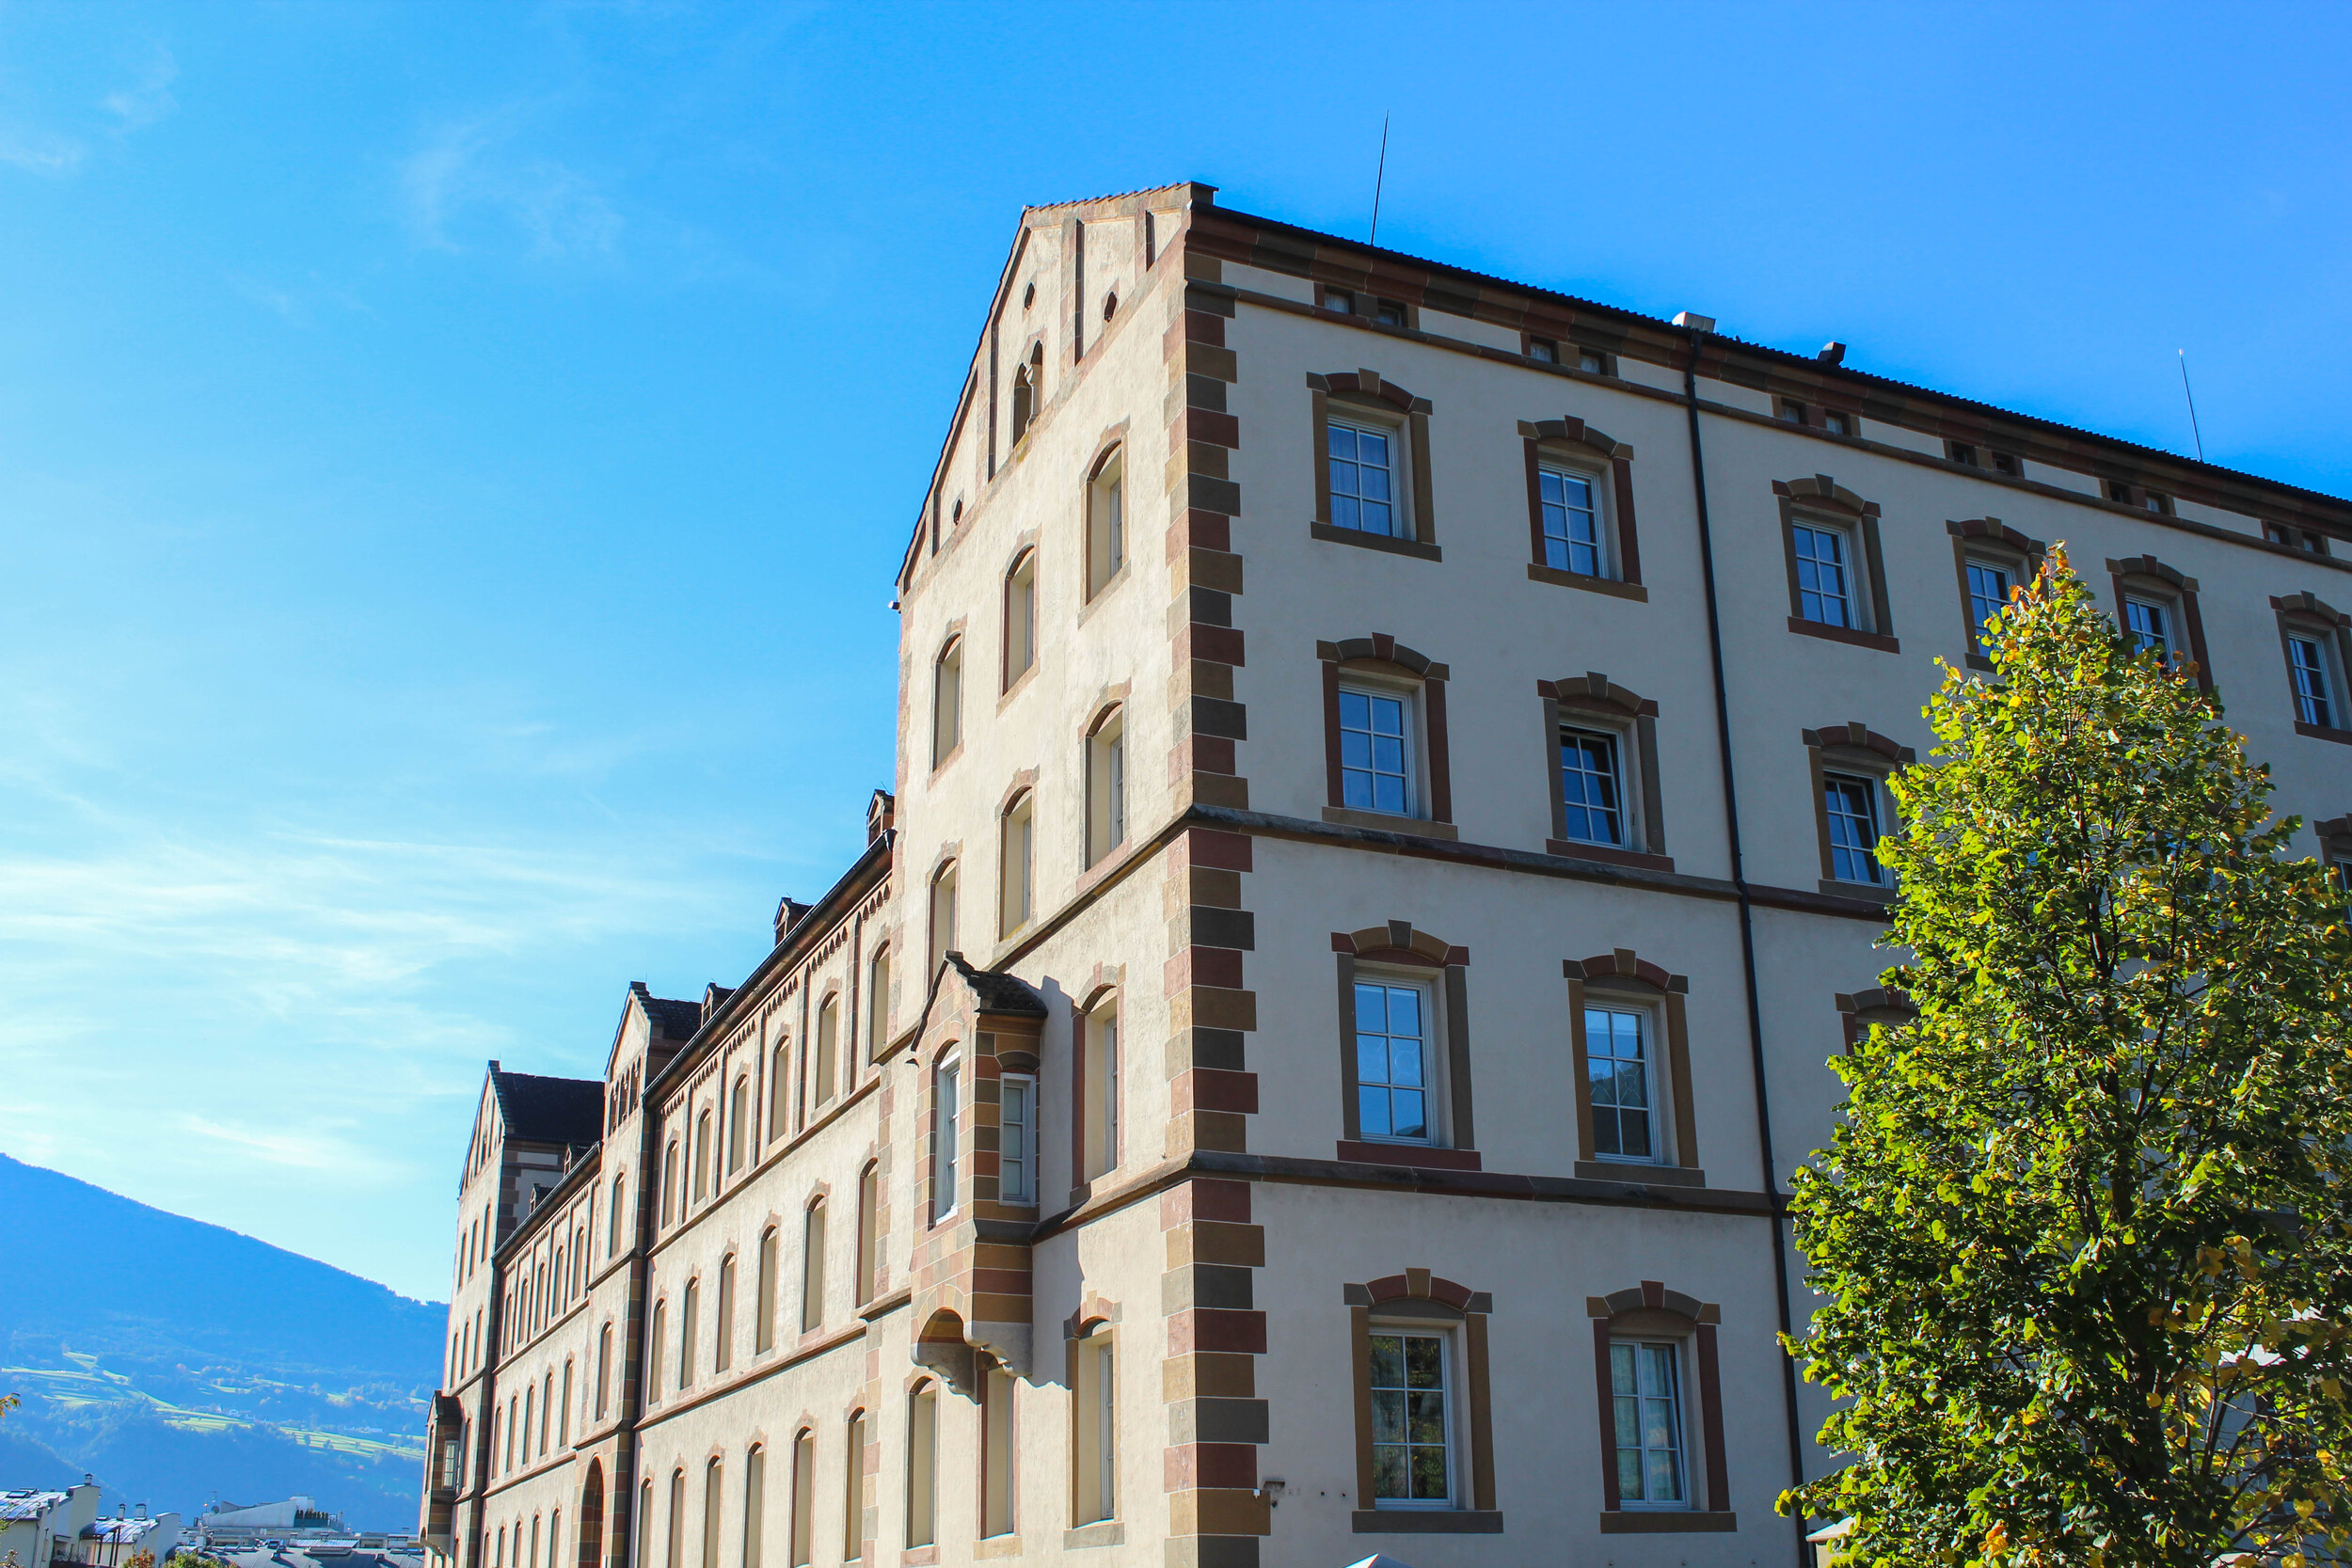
(2082, 1228)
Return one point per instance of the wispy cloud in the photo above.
(148, 98)
(41, 151)
(469, 172)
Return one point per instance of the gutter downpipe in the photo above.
(1747, 928)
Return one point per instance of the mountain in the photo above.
(176, 1360)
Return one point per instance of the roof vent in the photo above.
(1693, 321)
(1832, 354)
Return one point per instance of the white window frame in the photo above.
(1970, 566)
(1676, 1400)
(1649, 1038)
(1869, 788)
(1361, 424)
(1621, 807)
(2327, 677)
(1433, 1102)
(2167, 612)
(1094, 1448)
(946, 1089)
(1408, 703)
(1451, 1383)
(1597, 509)
(1016, 1139)
(1850, 565)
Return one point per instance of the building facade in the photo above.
(1307, 1061)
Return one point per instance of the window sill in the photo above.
(1666, 1521)
(1869, 892)
(1410, 1156)
(997, 1546)
(918, 1557)
(1978, 661)
(1635, 1173)
(1112, 584)
(1387, 543)
(944, 763)
(2321, 732)
(1020, 682)
(1106, 1532)
(1426, 1521)
(1389, 822)
(1883, 643)
(1568, 848)
(1610, 586)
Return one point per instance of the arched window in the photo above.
(869, 1203)
(1017, 839)
(655, 1344)
(764, 1306)
(723, 1344)
(878, 1003)
(1024, 392)
(702, 1156)
(778, 1060)
(547, 1410)
(947, 701)
(1020, 617)
(668, 1183)
(685, 1315)
(564, 1411)
(813, 1267)
(612, 1218)
(943, 914)
(827, 1068)
(922, 1464)
(604, 1369)
(711, 1480)
(738, 1112)
(755, 1503)
(644, 1524)
(528, 1394)
(1107, 522)
(853, 1489)
(803, 1498)
(1104, 1088)
(1107, 785)
(675, 1555)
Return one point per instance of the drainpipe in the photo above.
(1747, 926)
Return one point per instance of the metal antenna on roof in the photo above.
(1377, 179)
(2192, 408)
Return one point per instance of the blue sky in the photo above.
(452, 458)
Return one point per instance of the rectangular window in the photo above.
(1591, 362)
(1589, 789)
(1544, 351)
(1645, 1389)
(1571, 516)
(1391, 1061)
(1103, 1092)
(853, 1491)
(813, 1267)
(722, 1349)
(1389, 312)
(826, 1068)
(1838, 424)
(1106, 526)
(922, 1465)
(803, 1500)
(1851, 805)
(755, 1504)
(2310, 666)
(1617, 1070)
(1094, 1418)
(944, 1143)
(1987, 595)
(764, 1304)
(1411, 1441)
(1016, 1139)
(1824, 577)
(1364, 493)
(1375, 771)
(2150, 626)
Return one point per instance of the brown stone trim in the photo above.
(1441, 773)
(1820, 495)
(1610, 586)
(1398, 945)
(1407, 1156)
(2307, 613)
(1620, 969)
(1711, 1418)
(1668, 1521)
(1846, 635)
(1383, 653)
(1381, 542)
(2319, 732)
(1335, 790)
(1603, 1385)
(1360, 1358)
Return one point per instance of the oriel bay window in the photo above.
(1602, 773)
(2317, 641)
(1992, 561)
(1385, 737)
(1836, 575)
(1424, 1460)
(1851, 809)
(1404, 1049)
(1372, 469)
(1660, 1399)
(1630, 1058)
(1579, 508)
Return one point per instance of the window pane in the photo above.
(1851, 807)
(2150, 626)
(1359, 478)
(2310, 669)
(1373, 774)
(1391, 1062)
(1823, 593)
(1410, 1452)
(1588, 788)
(1988, 593)
(1648, 1422)
(1616, 1069)
(1571, 522)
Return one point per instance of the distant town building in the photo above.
(53, 1528)
(1309, 1058)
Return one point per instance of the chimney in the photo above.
(1832, 354)
(1693, 321)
